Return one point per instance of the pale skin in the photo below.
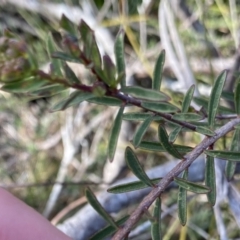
(19, 221)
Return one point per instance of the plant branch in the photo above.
(189, 158)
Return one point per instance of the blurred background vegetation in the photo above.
(40, 148)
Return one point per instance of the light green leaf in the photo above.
(157, 147)
(205, 131)
(215, 98)
(109, 230)
(158, 70)
(74, 99)
(191, 186)
(235, 146)
(141, 131)
(163, 137)
(145, 93)
(228, 155)
(156, 232)
(70, 75)
(187, 99)
(119, 56)
(173, 135)
(136, 168)
(98, 207)
(210, 179)
(108, 101)
(160, 107)
(132, 186)
(112, 144)
(182, 202)
(139, 116)
(187, 117)
(237, 96)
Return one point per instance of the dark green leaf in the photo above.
(49, 90)
(228, 96)
(112, 144)
(141, 131)
(109, 71)
(109, 230)
(139, 116)
(191, 186)
(74, 99)
(67, 25)
(66, 57)
(119, 56)
(187, 117)
(187, 99)
(235, 146)
(215, 98)
(156, 232)
(145, 93)
(169, 147)
(56, 64)
(210, 179)
(132, 186)
(109, 101)
(182, 202)
(173, 135)
(136, 168)
(158, 70)
(98, 207)
(90, 48)
(132, 6)
(160, 107)
(237, 96)
(157, 147)
(228, 155)
(70, 75)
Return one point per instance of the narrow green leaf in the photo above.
(56, 64)
(237, 96)
(173, 135)
(228, 155)
(158, 70)
(108, 101)
(160, 107)
(141, 131)
(156, 232)
(182, 202)
(228, 96)
(205, 131)
(132, 186)
(109, 71)
(112, 144)
(187, 117)
(74, 99)
(90, 48)
(204, 102)
(67, 25)
(66, 57)
(49, 90)
(210, 179)
(157, 147)
(136, 168)
(98, 207)
(70, 75)
(139, 116)
(215, 98)
(145, 93)
(119, 56)
(163, 137)
(187, 99)
(191, 186)
(109, 230)
(235, 146)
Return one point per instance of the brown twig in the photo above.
(189, 158)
